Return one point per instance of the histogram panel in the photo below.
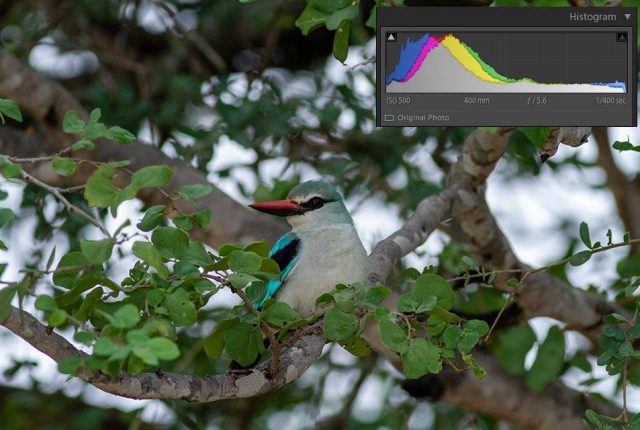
(494, 62)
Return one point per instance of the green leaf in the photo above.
(478, 371)
(625, 146)
(341, 41)
(70, 365)
(451, 336)
(244, 262)
(197, 254)
(183, 222)
(375, 295)
(549, 361)
(69, 269)
(6, 216)
(344, 300)
(333, 21)
(195, 191)
(629, 266)
(94, 115)
(99, 190)
(126, 316)
(261, 248)
(97, 251)
(146, 355)
(416, 301)
(137, 338)
(214, 343)
(84, 337)
(584, 234)
(243, 342)
(120, 135)
(356, 345)
(241, 280)
(93, 131)
(429, 290)
(163, 348)
(88, 304)
(328, 6)
(279, 314)
(256, 291)
(170, 240)
(439, 287)
(182, 311)
(152, 218)
(6, 296)
(57, 317)
(310, 19)
(371, 21)
(46, 303)
(202, 218)
(580, 258)
(479, 327)
(11, 170)
(152, 176)
(468, 341)
(393, 336)
(536, 135)
(150, 255)
(512, 346)
(63, 166)
(71, 123)
(339, 325)
(82, 144)
(11, 109)
(422, 357)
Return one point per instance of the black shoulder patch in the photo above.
(286, 254)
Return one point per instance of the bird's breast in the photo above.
(328, 256)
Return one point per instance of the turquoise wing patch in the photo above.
(286, 252)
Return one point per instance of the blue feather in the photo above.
(285, 252)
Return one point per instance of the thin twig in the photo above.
(70, 206)
(506, 304)
(194, 37)
(266, 329)
(364, 63)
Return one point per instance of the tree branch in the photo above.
(626, 192)
(294, 361)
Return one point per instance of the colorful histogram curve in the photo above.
(415, 53)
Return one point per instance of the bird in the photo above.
(322, 249)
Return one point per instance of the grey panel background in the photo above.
(550, 57)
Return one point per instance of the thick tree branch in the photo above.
(541, 294)
(464, 200)
(626, 192)
(294, 361)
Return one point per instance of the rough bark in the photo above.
(626, 191)
(233, 384)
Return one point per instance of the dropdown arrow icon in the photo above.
(627, 15)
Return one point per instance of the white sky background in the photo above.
(529, 210)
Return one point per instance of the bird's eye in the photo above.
(314, 203)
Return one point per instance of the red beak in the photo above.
(279, 207)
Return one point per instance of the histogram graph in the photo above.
(467, 62)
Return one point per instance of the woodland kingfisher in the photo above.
(322, 249)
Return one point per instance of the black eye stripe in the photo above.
(314, 203)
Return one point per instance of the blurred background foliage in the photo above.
(195, 78)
